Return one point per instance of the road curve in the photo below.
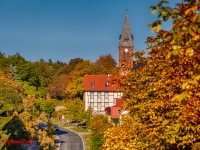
(69, 140)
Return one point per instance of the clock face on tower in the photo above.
(126, 50)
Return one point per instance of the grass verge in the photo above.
(86, 139)
(79, 129)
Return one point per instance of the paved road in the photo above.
(69, 140)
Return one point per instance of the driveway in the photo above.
(69, 140)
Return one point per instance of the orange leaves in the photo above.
(191, 10)
(120, 137)
(164, 98)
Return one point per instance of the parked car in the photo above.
(44, 126)
(56, 140)
(56, 127)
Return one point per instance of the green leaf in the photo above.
(182, 97)
(153, 11)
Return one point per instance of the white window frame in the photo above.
(114, 101)
(106, 95)
(98, 105)
(92, 95)
(92, 104)
(99, 95)
(106, 104)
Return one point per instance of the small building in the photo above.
(99, 93)
(115, 110)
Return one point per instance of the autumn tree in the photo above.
(48, 106)
(72, 64)
(57, 88)
(20, 114)
(105, 65)
(44, 72)
(10, 99)
(163, 96)
(61, 71)
(20, 69)
(32, 116)
(98, 125)
(75, 109)
(75, 87)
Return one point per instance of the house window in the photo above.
(106, 84)
(99, 105)
(91, 94)
(99, 95)
(106, 104)
(106, 94)
(91, 104)
(92, 84)
(114, 101)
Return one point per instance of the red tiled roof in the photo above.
(115, 112)
(99, 83)
(116, 108)
(119, 102)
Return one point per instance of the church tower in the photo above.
(126, 44)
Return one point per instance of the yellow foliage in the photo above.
(163, 98)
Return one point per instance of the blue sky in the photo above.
(68, 29)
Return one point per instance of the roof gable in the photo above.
(98, 83)
(119, 102)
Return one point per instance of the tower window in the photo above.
(126, 56)
(126, 40)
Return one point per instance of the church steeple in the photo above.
(126, 44)
(126, 38)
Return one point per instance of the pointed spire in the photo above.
(126, 38)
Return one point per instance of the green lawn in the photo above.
(55, 121)
(86, 139)
(58, 122)
(79, 129)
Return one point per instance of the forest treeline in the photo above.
(29, 92)
(59, 79)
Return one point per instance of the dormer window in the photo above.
(92, 84)
(106, 84)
